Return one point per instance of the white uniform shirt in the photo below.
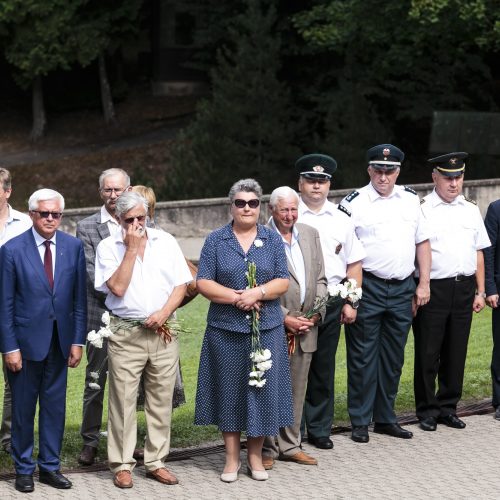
(389, 228)
(339, 243)
(457, 232)
(294, 257)
(113, 225)
(153, 278)
(16, 223)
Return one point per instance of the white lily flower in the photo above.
(253, 381)
(94, 386)
(266, 354)
(258, 243)
(262, 383)
(94, 375)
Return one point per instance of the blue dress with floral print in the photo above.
(224, 397)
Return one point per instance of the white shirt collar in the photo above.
(106, 216)
(327, 208)
(39, 239)
(437, 200)
(295, 231)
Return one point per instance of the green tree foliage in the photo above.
(40, 36)
(410, 57)
(393, 64)
(244, 130)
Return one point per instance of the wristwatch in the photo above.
(353, 303)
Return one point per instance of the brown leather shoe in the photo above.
(123, 479)
(138, 454)
(87, 455)
(299, 458)
(267, 462)
(162, 475)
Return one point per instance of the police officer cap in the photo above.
(451, 165)
(385, 157)
(316, 166)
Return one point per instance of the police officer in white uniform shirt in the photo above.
(441, 328)
(389, 223)
(342, 254)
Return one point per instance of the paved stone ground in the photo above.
(446, 464)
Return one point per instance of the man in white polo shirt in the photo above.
(144, 275)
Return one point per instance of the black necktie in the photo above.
(47, 263)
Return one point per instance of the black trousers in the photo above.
(495, 358)
(441, 330)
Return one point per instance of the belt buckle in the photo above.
(459, 277)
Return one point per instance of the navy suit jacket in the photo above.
(29, 307)
(492, 254)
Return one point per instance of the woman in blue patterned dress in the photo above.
(224, 396)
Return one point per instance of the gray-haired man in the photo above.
(91, 230)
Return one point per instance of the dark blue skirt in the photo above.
(223, 396)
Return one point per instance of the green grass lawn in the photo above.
(477, 385)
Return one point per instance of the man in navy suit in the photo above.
(43, 328)
(492, 269)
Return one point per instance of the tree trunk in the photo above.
(38, 110)
(108, 108)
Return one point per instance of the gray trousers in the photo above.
(289, 437)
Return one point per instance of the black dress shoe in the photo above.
(360, 433)
(394, 430)
(497, 413)
(323, 443)
(451, 421)
(54, 479)
(87, 455)
(428, 423)
(24, 483)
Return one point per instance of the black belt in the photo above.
(458, 277)
(388, 281)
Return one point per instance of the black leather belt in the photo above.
(388, 281)
(458, 277)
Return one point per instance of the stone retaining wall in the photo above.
(190, 221)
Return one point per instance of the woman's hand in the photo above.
(248, 299)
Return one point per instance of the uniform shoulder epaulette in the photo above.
(470, 200)
(351, 196)
(344, 209)
(422, 201)
(410, 190)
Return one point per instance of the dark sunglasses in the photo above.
(45, 215)
(251, 203)
(139, 218)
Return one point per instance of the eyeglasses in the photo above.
(251, 203)
(45, 215)
(130, 220)
(108, 191)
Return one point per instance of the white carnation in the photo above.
(105, 318)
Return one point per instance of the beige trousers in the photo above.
(131, 353)
(289, 437)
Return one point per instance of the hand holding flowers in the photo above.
(168, 329)
(346, 290)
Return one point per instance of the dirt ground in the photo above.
(79, 145)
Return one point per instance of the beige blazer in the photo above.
(316, 283)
